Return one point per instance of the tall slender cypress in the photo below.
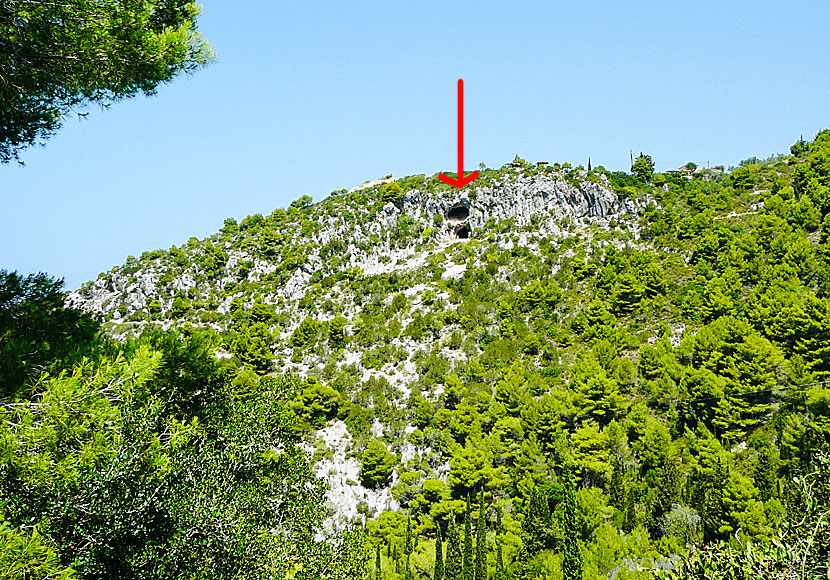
(396, 559)
(453, 564)
(468, 564)
(572, 561)
(407, 548)
(501, 573)
(481, 541)
(438, 574)
(377, 563)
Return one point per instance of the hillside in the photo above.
(620, 368)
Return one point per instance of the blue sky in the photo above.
(309, 97)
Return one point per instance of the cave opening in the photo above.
(462, 233)
(458, 212)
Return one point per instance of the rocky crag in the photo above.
(547, 203)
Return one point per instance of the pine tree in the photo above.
(453, 565)
(468, 564)
(481, 541)
(438, 574)
(572, 561)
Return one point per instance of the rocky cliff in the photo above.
(361, 232)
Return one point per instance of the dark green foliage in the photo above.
(468, 562)
(407, 549)
(572, 568)
(315, 402)
(501, 572)
(253, 346)
(438, 570)
(67, 55)
(37, 331)
(305, 334)
(337, 332)
(744, 177)
(189, 379)
(480, 572)
(766, 472)
(540, 295)
(538, 532)
(454, 566)
(801, 550)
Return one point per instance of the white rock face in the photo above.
(343, 475)
(454, 271)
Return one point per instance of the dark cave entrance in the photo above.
(463, 232)
(458, 212)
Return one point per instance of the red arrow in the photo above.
(460, 181)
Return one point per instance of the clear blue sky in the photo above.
(309, 97)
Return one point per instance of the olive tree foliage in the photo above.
(56, 56)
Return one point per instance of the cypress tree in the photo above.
(438, 574)
(377, 563)
(481, 542)
(537, 523)
(668, 492)
(572, 561)
(501, 573)
(452, 563)
(523, 566)
(766, 473)
(467, 563)
(407, 548)
(630, 513)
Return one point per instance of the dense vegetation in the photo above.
(135, 460)
(643, 395)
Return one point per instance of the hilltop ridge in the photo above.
(351, 230)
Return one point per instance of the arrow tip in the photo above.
(460, 181)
